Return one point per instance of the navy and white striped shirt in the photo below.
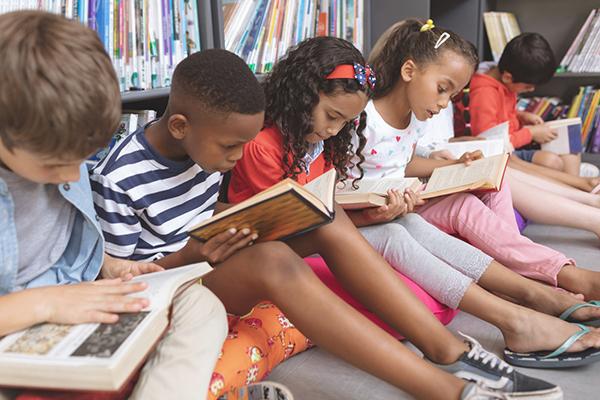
(146, 203)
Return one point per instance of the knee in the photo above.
(277, 264)
(549, 160)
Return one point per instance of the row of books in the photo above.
(261, 31)
(584, 53)
(500, 28)
(146, 39)
(585, 105)
(548, 108)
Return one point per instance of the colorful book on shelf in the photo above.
(98, 357)
(483, 175)
(371, 192)
(284, 210)
(500, 28)
(568, 140)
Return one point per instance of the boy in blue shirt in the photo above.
(59, 104)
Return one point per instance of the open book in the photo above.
(371, 192)
(97, 357)
(485, 174)
(489, 147)
(569, 136)
(501, 132)
(284, 210)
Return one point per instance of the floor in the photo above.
(317, 375)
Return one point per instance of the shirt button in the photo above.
(66, 186)
(97, 217)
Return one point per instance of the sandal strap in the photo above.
(569, 342)
(567, 313)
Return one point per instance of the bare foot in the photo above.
(554, 301)
(534, 331)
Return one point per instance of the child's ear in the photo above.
(407, 71)
(178, 125)
(506, 78)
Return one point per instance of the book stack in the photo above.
(261, 31)
(584, 53)
(500, 27)
(548, 108)
(146, 39)
(585, 105)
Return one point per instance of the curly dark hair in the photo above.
(292, 91)
(220, 80)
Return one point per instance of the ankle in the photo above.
(574, 280)
(447, 354)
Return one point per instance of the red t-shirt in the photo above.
(262, 166)
(490, 104)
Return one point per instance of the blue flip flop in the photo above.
(558, 358)
(566, 315)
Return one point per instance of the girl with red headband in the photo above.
(315, 102)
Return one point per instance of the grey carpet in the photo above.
(317, 375)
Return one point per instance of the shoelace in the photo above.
(477, 353)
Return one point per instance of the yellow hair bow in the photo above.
(427, 25)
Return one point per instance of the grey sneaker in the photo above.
(485, 368)
(265, 390)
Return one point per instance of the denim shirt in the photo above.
(83, 256)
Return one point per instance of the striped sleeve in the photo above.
(120, 224)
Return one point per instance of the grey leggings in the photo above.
(441, 264)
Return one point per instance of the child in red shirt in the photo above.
(527, 61)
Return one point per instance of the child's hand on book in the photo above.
(125, 269)
(395, 207)
(542, 134)
(469, 157)
(220, 247)
(96, 301)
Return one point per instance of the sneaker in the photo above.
(265, 390)
(476, 391)
(588, 170)
(480, 366)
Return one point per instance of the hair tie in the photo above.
(427, 26)
(364, 75)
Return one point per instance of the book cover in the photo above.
(285, 210)
(569, 136)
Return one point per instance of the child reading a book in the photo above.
(526, 61)
(273, 153)
(58, 104)
(423, 87)
(215, 107)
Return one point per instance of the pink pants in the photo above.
(487, 221)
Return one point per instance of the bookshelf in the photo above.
(557, 20)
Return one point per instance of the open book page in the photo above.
(323, 188)
(163, 284)
(379, 186)
(483, 173)
(501, 132)
(489, 147)
(100, 341)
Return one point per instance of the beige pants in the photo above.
(182, 364)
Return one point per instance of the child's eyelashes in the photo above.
(442, 90)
